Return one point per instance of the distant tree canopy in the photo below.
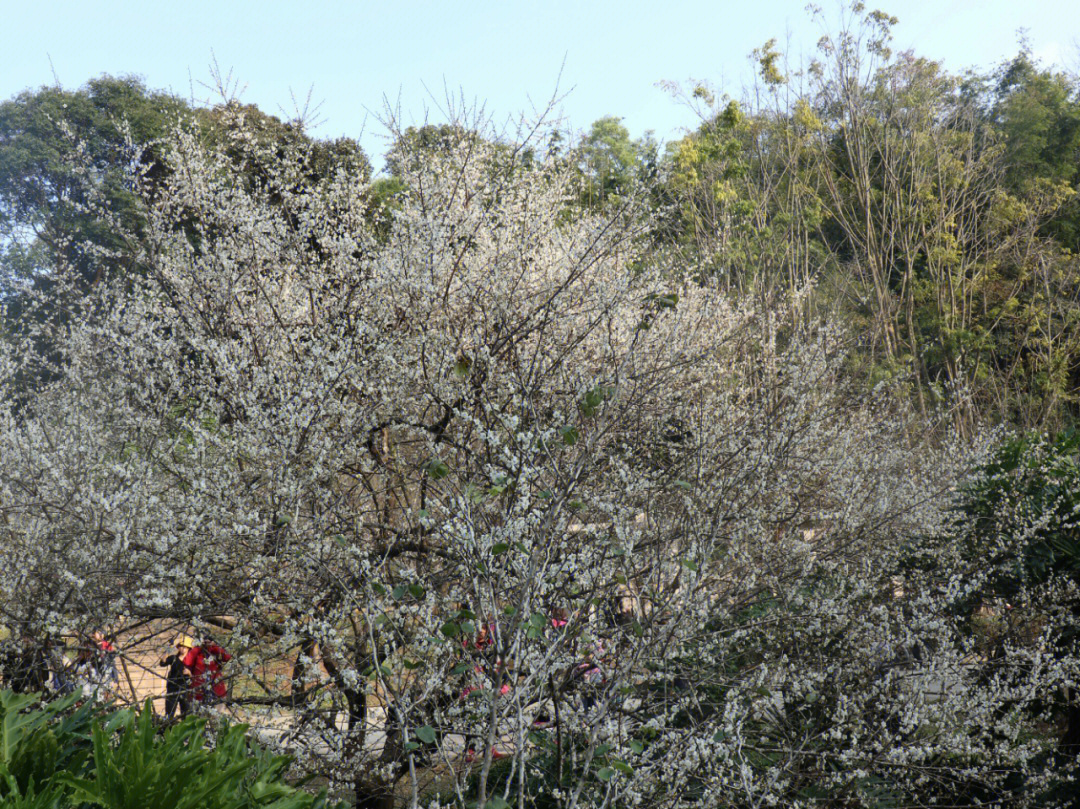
(612, 164)
(76, 167)
(1037, 112)
(937, 212)
(110, 128)
(112, 123)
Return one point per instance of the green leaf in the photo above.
(591, 401)
(412, 746)
(399, 592)
(498, 802)
(416, 591)
(499, 547)
(461, 367)
(426, 734)
(450, 629)
(437, 469)
(569, 435)
(605, 773)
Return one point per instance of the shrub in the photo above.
(53, 754)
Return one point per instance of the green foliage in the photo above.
(1022, 513)
(76, 167)
(612, 164)
(53, 755)
(111, 122)
(1019, 535)
(1037, 112)
(36, 742)
(938, 215)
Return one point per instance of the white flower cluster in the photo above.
(474, 469)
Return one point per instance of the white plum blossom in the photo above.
(477, 468)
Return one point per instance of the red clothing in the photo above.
(203, 663)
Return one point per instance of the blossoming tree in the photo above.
(497, 506)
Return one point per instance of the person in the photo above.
(62, 681)
(177, 685)
(589, 673)
(204, 662)
(488, 668)
(560, 619)
(104, 663)
(94, 669)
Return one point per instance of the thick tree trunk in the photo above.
(371, 795)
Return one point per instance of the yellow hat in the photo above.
(185, 642)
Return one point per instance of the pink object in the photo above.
(470, 755)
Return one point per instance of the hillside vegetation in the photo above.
(543, 471)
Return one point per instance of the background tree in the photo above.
(911, 204)
(612, 164)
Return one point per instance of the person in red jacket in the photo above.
(204, 662)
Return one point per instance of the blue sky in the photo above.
(502, 54)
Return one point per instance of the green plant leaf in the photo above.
(450, 629)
